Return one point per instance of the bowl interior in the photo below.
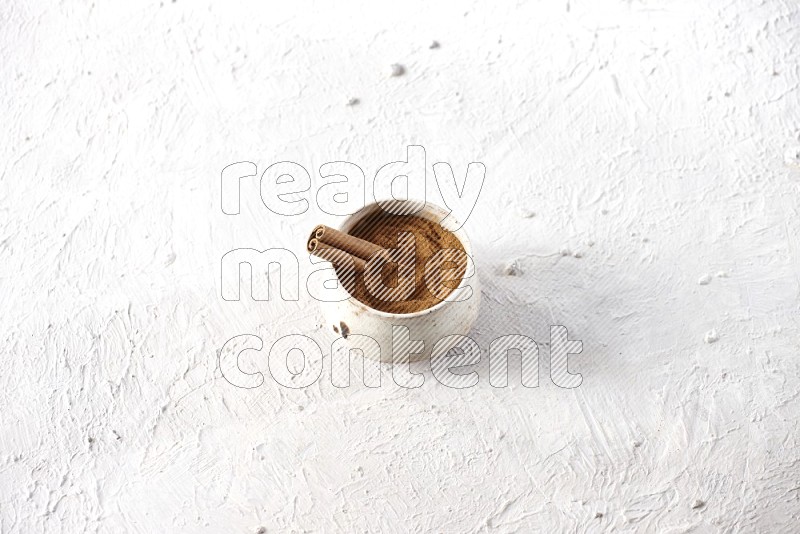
(429, 212)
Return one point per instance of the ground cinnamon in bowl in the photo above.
(382, 229)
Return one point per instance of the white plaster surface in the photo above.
(653, 141)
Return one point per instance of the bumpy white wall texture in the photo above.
(654, 143)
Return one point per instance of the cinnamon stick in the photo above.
(335, 255)
(348, 243)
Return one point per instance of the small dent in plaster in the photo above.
(792, 156)
(590, 243)
(722, 274)
(565, 252)
(698, 504)
(598, 515)
(434, 45)
(261, 530)
(526, 213)
(353, 101)
(711, 336)
(578, 255)
(396, 69)
(637, 444)
(512, 268)
(704, 280)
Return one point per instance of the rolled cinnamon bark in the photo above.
(338, 257)
(342, 241)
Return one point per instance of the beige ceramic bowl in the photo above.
(455, 315)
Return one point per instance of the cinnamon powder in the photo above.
(382, 229)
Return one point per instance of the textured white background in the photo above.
(663, 132)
